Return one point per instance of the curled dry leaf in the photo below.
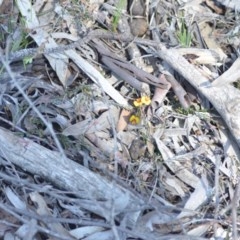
(185, 175)
(123, 120)
(207, 32)
(202, 56)
(82, 232)
(159, 93)
(201, 194)
(14, 199)
(137, 149)
(43, 210)
(199, 230)
(215, 7)
(175, 184)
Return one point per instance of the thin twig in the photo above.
(95, 34)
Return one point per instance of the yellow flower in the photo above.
(134, 120)
(138, 102)
(146, 100)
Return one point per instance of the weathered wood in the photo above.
(69, 175)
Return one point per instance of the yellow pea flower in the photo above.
(134, 120)
(138, 102)
(146, 100)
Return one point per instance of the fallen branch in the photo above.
(225, 99)
(33, 158)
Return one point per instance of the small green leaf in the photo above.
(27, 60)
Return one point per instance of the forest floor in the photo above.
(119, 120)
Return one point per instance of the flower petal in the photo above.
(146, 100)
(134, 120)
(138, 102)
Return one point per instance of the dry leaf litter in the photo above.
(119, 119)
